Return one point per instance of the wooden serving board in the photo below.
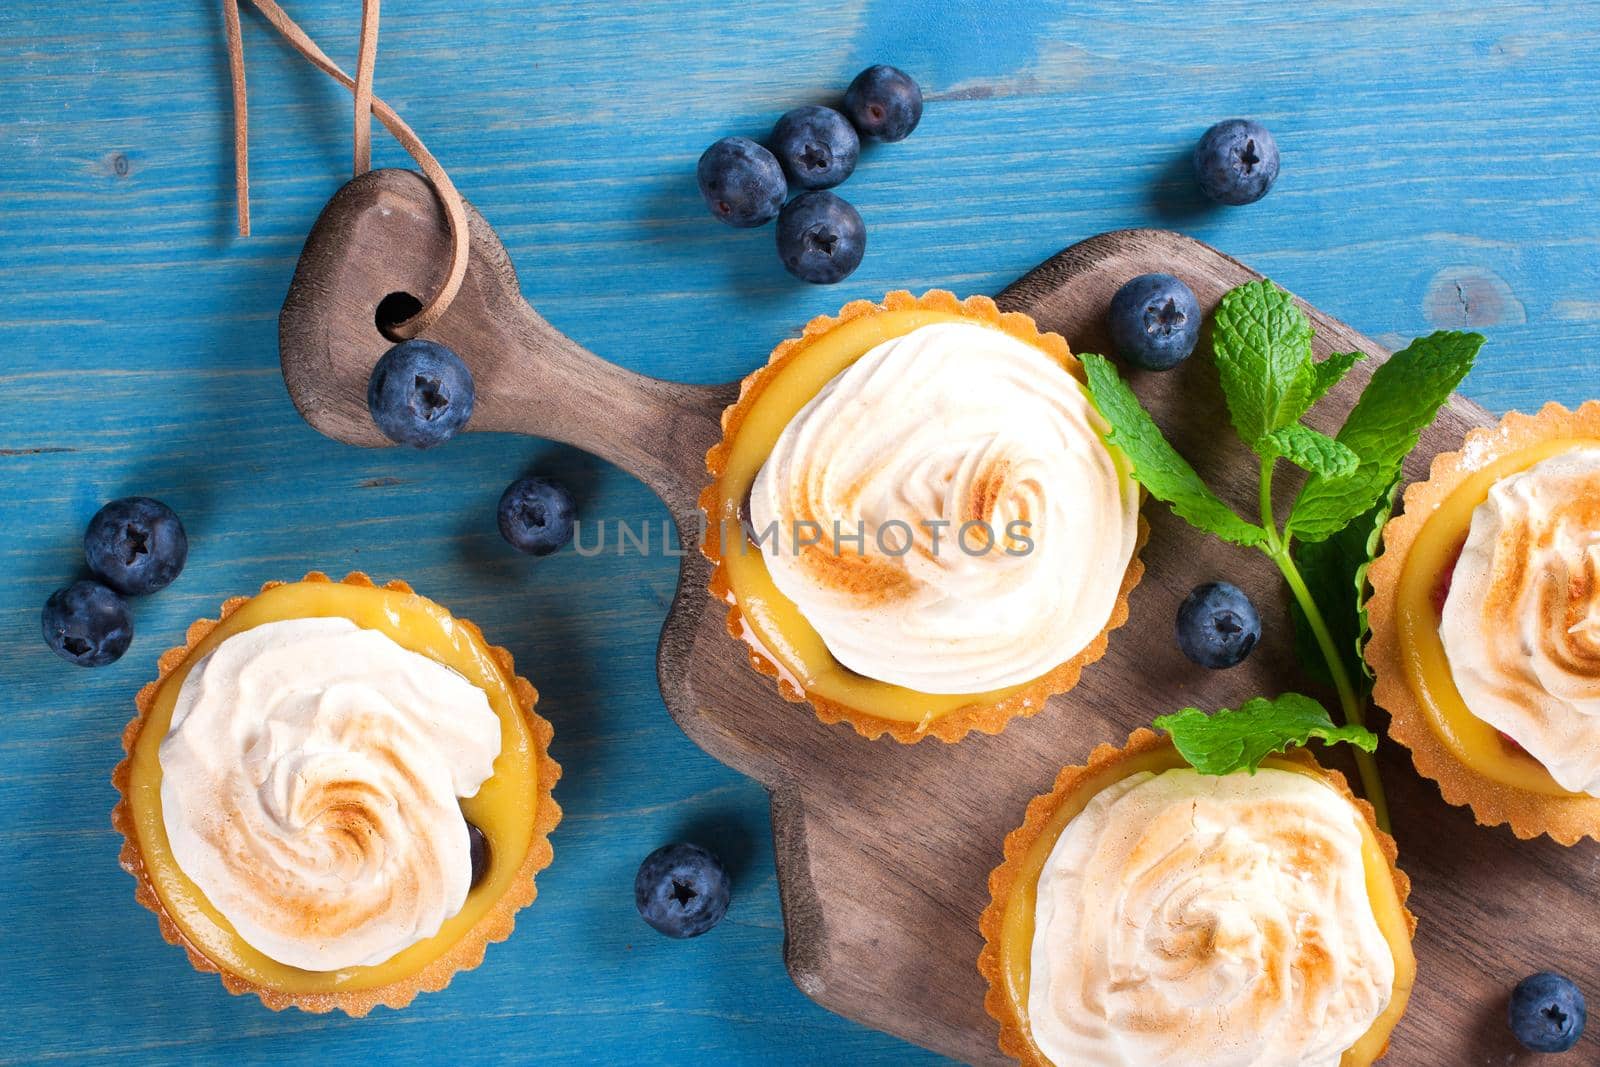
(884, 850)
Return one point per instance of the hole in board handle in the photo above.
(394, 309)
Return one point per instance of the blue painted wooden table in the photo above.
(1439, 170)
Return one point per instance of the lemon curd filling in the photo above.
(773, 623)
(1471, 740)
(504, 808)
(1017, 925)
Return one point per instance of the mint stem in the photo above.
(1278, 550)
(1354, 715)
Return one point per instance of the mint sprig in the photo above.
(1156, 464)
(1334, 569)
(1236, 739)
(1331, 371)
(1398, 404)
(1263, 347)
(1311, 450)
(1270, 381)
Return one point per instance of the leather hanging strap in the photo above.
(366, 61)
(241, 117)
(449, 197)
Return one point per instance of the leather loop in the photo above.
(454, 207)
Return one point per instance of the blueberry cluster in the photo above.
(821, 238)
(133, 546)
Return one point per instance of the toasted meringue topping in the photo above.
(972, 526)
(1521, 625)
(1208, 922)
(310, 785)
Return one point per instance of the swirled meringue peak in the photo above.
(310, 784)
(973, 526)
(1521, 624)
(1208, 922)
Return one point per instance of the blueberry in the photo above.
(420, 394)
(1236, 162)
(478, 850)
(820, 238)
(816, 145)
(136, 545)
(742, 182)
(1217, 625)
(1547, 1013)
(1154, 321)
(884, 103)
(536, 515)
(87, 623)
(681, 890)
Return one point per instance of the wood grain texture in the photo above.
(883, 851)
(1439, 171)
(380, 235)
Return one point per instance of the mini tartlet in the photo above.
(1127, 1008)
(1459, 552)
(836, 425)
(511, 808)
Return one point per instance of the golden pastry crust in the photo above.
(1528, 814)
(466, 954)
(953, 726)
(1014, 1037)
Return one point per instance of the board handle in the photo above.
(378, 247)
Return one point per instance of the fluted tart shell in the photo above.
(1106, 765)
(466, 953)
(985, 713)
(1565, 817)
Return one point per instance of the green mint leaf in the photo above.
(1374, 521)
(1335, 572)
(1402, 398)
(1330, 372)
(1233, 740)
(1156, 464)
(1262, 343)
(1314, 451)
